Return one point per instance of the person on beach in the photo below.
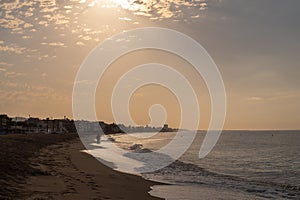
(98, 138)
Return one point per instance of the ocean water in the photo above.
(243, 165)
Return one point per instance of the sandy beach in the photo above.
(61, 171)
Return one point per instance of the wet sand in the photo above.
(61, 171)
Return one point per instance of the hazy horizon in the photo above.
(255, 45)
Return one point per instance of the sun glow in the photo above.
(132, 4)
(123, 3)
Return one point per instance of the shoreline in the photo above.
(65, 172)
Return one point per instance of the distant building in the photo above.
(60, 126)
(166, 126)
(33, 125)
(19, 119)
(4, 124)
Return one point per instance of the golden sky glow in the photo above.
(256, 47)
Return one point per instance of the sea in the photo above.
(242, 165)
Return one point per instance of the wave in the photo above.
(181, 173)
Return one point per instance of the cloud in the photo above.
(164, 9)
(47, 10)
(125, 19)
(56, 44)
(14, 92)
(28, 14)
(254, 98)
(43, 23)
(80, 44)
(87, 37)
(2, 70)
(274, 96)
(11, 23)
(58, 19)
(85, 82)
(11, 74)
(5, 64)
(26, 37)
(12, 48)
(27, 25)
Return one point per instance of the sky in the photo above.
(255, 44)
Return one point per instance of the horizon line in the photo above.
(65, 117)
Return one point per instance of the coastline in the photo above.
(64, 172)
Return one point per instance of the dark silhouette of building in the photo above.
(60, 126)
(4, 123)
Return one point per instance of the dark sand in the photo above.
(52, 167)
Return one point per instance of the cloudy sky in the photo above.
(255, 44)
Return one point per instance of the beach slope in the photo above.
(67, 173)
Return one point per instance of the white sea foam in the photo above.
(244, 165)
